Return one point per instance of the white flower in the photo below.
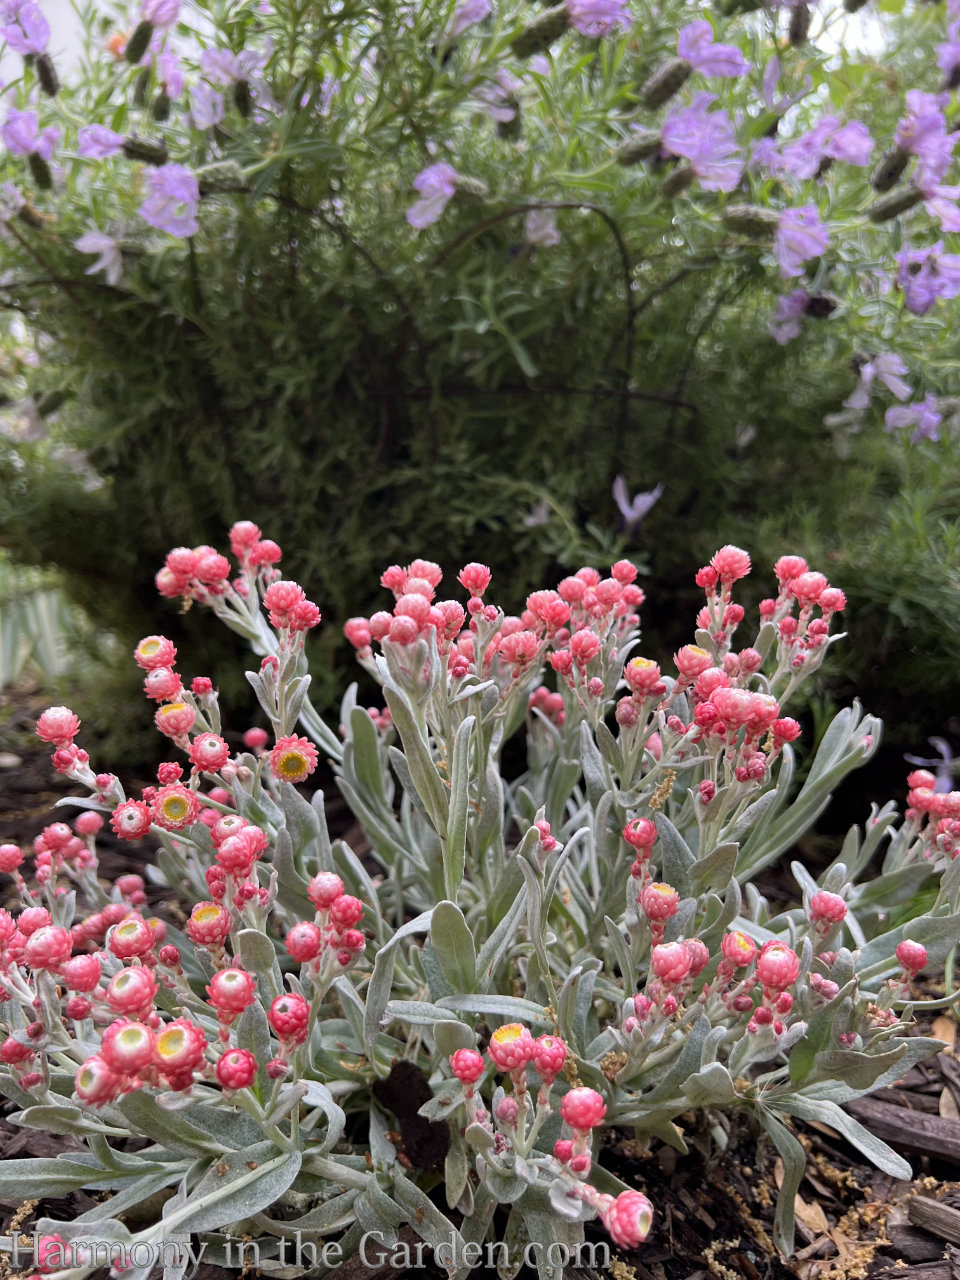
(110, 261)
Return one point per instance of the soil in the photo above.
(714, 1212)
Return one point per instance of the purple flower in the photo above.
(887, 368)
(160, 13)
(943, 766)
(467, 14)
(827, 140)
(436, 185)
(329, 88)
(97, 142)
(30, 33)
(598, 17)
(169, 74)
(706, 138)
(925, 275)
(540, 228)
(851, 142)
(800, 235)
(223, 67)
(923, 416)
(695, 45)
(923, 132)
(941, 203)
(948, 55)
(634, 509)
(21, 135)
(110, 261)
(786, 324)
(206, 106)
(173, 199)
(499, 96)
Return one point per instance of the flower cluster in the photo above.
(608, 961)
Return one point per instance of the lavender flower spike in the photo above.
(925, 275)
(786, 324)
(695, 45)
(800, 235)
(887, 368)
(173, 200)
(436, 185)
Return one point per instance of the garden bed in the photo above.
(714, 1213)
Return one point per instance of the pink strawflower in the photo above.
(231, 991)
(209, 924)
(730, 564)
(81, 973)
(48, 947)
(628, 1219)
(132, 937)
(175, 807)
(641, 833)
(58, 726)
(131, 819)
(156, 651)
(132, 991)
(209, 752)
(175, 719)
(583, 1108)
(346, 911)
(659, 901)
(293, 759)
(96, 1083)
(511, 1047)
(179, 1047)
(670, 962)
(777, 966)
(127, 1046)
(475, 578)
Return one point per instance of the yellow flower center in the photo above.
(206, 913)
(175, 808)
(149, 648)
(170, 1042)
(172, 707)
(507, 1034)
(131, 1037)
(292, 766)
(642, 664)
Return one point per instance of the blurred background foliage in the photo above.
(367, 394)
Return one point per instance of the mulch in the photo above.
(714, 1212)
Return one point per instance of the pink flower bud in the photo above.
(289, 1015)
(827, 907)
(508, 1111)
(738, 949)
(237, 1069)
(58, 726)
(912, 955)
(324, 889)
(563, 1150)
(583, 1108)
(641, 833)
(467, 1065)
(549, 1055)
